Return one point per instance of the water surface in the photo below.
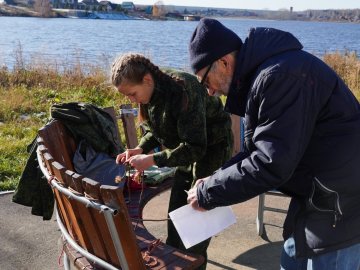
(165, 42)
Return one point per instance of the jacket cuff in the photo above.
(214, 193)
(202, 197)
(147, 144)
(160, 159)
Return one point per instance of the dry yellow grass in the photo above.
(348, 67)
(28, 91)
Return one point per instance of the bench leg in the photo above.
(66, 261)
(260, 215)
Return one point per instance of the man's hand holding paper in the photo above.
(192, 195)
(208, 223)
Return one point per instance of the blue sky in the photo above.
(298, 5)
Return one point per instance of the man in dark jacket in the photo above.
(302, 137)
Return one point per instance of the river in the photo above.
(68, 41)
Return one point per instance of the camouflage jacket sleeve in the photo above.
(190, 128)
(148, 141)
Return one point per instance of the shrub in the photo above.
(348, 67)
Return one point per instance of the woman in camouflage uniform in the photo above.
(176, 113)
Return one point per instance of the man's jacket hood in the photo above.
(261, 44)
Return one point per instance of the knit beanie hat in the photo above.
(210, 41)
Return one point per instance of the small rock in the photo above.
(24, 117)
(40, 114)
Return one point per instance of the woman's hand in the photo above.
(141, 162)
(124, 157)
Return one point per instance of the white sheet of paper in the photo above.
(194, 226)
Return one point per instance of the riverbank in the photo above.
(20, 11)
(17, 11)
(170, 12)
(83, 14)
(28, 91)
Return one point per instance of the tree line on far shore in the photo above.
(44, 8)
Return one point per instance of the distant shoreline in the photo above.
(262, 19)
(347, 16)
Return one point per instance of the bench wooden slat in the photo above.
(79, 261)
(59, 172)
(91, 189)
(48, 160)
(129, 125)
(88, 220)
(169, 256)
(183, 263)
(113, 197)
(62, 212)
(162, 253)
(75, 226)
(106, 239)
(64, 148)
(101, 240)
(143, 242)
(74, 181)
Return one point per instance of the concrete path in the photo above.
(28, 242)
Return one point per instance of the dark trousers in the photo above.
(185, 178)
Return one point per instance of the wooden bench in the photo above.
(101, 231)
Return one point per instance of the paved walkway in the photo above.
(28, 242)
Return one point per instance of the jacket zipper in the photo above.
(337, 211)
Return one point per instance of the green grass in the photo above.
(26, 96)
(14, 136)
(27, 93)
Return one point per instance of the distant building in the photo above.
(175, 15)
(106, 6)
(192, 18)
(64, 3)
(128, 6)
(149, 10)
(24, 3)
(81, 5)
(89, 5)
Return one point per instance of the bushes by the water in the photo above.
(348, 67)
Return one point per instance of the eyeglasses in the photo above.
(206, 74)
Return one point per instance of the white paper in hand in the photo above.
(194, 226)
